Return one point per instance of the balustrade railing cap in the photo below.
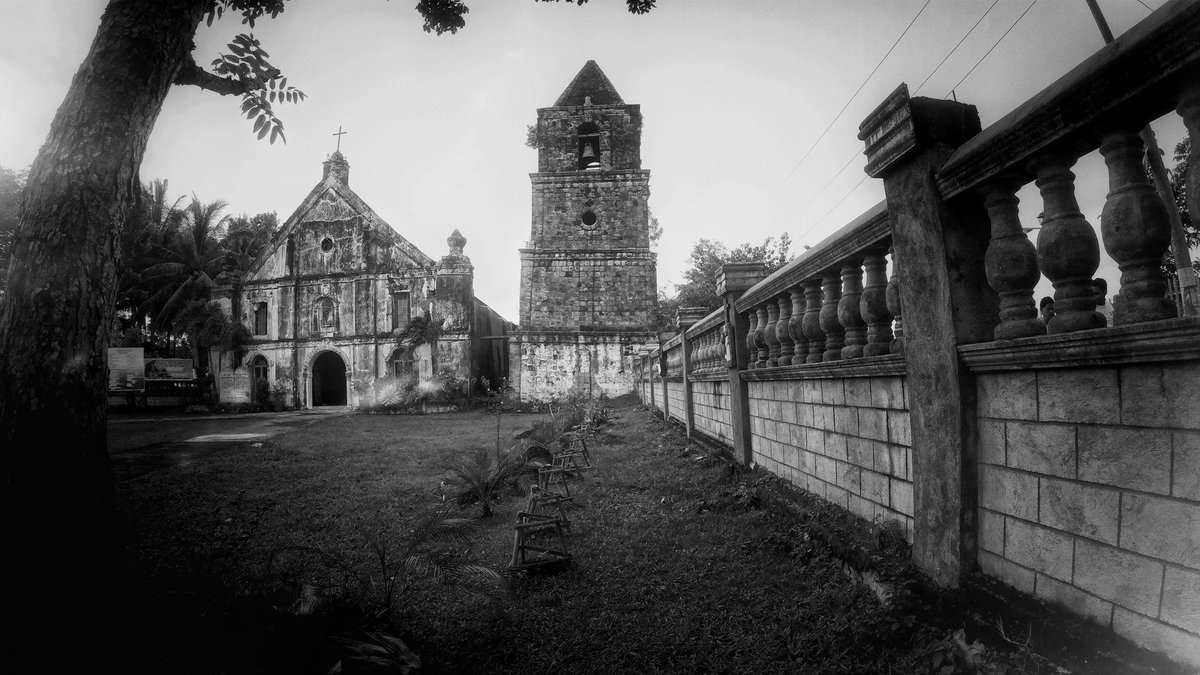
(902, 124)
(686, 316)
(739, 277)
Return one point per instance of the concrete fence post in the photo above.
(685, 318)
(939, 248)
(733, 280)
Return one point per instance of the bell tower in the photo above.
(587, 272)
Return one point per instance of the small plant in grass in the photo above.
(479, 474)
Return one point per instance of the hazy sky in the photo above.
(734, 93)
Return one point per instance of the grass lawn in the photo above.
(678, 567)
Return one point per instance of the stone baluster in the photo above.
(850, 309)
(796, 326)
(873, 305)
(769, 334)
(760, 338)
(787, 346)
(1136, 231)
(835, 334)
(1068, 251)
(1011, 265)
(893, 305)
(751, 340)
(812, 321)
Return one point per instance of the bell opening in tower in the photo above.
(589, 147)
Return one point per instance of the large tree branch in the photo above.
(190, 73)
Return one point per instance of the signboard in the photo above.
(168, 369)
(125, 369)
(235, 386)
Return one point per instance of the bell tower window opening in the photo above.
(401, 309)
(588, 136)
(260, 318)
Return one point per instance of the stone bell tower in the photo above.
(588, 277)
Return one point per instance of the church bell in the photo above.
(589, 159)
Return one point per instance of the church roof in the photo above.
(590, 82)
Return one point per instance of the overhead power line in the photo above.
(1001, 39)
(964, 39)
(838, 116)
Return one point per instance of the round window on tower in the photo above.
(588, 220)
(327, 245)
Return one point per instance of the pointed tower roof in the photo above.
(590, 85)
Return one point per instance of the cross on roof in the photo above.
(339, 135)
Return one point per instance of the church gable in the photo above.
(334, 232)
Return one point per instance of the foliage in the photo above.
(246, 240)
(418, 331)
(478, 475)
(186, 270)
(12, 186)
(1178, 180)
(699, 277)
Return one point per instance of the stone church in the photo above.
(588, 277)
(343, 310)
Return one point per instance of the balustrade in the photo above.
(796, 326)
(893, 305)
(849, 310)
(752, 339)
(812, 321)
(786, 344)
(1011, 264)
(760, 338)
(835, 334)
(873, 305)
(769, 335)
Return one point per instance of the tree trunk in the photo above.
(58, 509)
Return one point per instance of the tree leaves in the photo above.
(247, 65)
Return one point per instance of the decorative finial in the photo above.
(456, 242)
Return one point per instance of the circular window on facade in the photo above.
(588, 220)
(327, 245)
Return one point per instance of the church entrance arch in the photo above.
(328, 379)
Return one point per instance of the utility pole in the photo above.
(1189, 287)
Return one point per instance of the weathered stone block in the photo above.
(1157, 636)
(1042, 448)
(837, 495)
(823, 416)
(1182, 383)
(848, 477)
(991, 531)
(845, 421)
(858, 392)
(899, 429)
(1138, 459)
(1008, 395)
(872, 424)
(1143, 398)
(1039, 548)
(1168, 529)
(1089, 395)
(833, 392)
(826, 469)
(883, 456)
(875, 487)
(804, 414)
(787, 412)
(1008, 491)
(812, 391)
(1181, 598)
(1010, 573)
(860, 451)
(1127, 579)
(1079, 508)
(901, 461)
(1186, 480)
(1079, 602)
(794, 391)
(991, 442)
(835, 445)
(814, 440)
(902, 496)
(797, 435)
(887, 392)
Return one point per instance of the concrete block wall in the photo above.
(845, 439)
(676, 402)
(1089, 495)
(710, 415)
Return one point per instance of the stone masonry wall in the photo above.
(1089, 495)
(844, 439)
(549, 366)
(601, 290)
(711, 410)
(675, 401)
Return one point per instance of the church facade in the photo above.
(588, 277)
(343, 310)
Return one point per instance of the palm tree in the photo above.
(185, 271)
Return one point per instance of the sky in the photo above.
(751, 108)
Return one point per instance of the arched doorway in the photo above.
(329, 380)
